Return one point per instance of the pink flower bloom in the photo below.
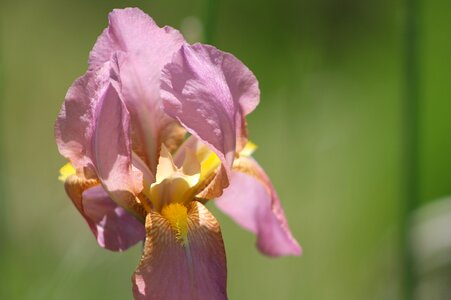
(133, 173)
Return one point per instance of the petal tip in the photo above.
(297, 250)
(293, 249)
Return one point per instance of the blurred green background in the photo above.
(329, 131)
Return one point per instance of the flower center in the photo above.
(173, 184)
(177, 216)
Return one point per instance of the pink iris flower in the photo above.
(153, 130)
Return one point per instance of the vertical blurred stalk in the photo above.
(3, 194)
(410, 144)
(211, 14)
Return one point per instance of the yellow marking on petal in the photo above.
(209, 165)
(248, 149)
(66, 171)
(177, 216)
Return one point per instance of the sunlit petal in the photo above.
(112, 150)
(140, 49)
(171, 270)
(75, 124)
(252, 202)
(210, 92)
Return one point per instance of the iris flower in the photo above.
(152, 131)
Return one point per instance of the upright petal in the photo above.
(75, 123)
(252, 202)
(132, 31)
(140, 49)
(209, 92)
(112, 149)
(170, 270)
(114, 228)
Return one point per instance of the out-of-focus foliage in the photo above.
(328, 130)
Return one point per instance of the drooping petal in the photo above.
(114, 228)
(210, 92)
(75, 186)
(108, 222)
(75, 124)
(140, 49)
(170, 270)
(252, 202)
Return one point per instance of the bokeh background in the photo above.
(329, 129)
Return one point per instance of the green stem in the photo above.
(411, 145)
(211, 14)
(3, 192)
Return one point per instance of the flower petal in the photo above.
(112, 149)
(210, 92)
(252, 202)
(213, 183)
(75, 186)
(114, 228)
(140, 49)
(170, 270)
(75, 124)
(130, 30)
